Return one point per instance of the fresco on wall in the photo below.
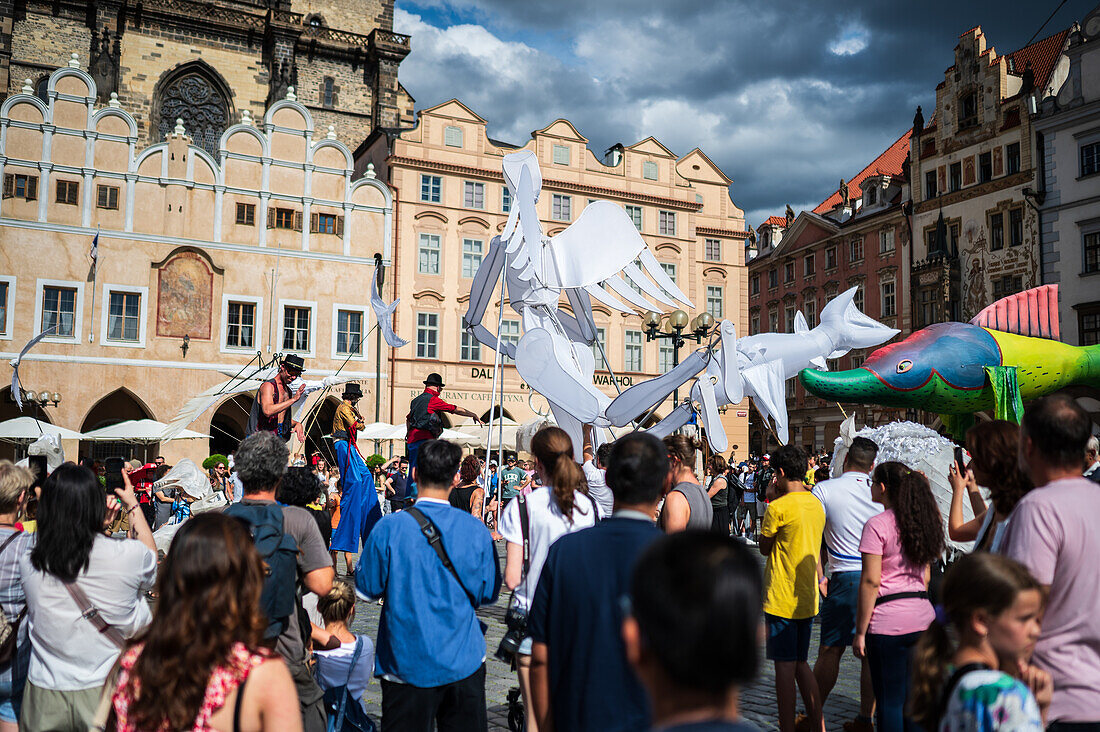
(981, 267)
(184, 295)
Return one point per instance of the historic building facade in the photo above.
(1067, 137)
(446, 175)
(858, 237)
(974, 182)
(209, 62)
(205, 262)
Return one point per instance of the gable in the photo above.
(810, 234)
(650, 146)
(697, 166)
(564, 129)
(454, 109)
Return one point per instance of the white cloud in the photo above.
(853, 39)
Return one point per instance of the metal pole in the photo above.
(676, 343)
(378, 360)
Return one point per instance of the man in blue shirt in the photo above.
(431, 648)
(580, 679)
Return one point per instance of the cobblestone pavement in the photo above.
(757, 700)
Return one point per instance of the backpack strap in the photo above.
(435, 539)
(93, 616)
(341, 706)
(9, 540)
(921, 594)
(525, 531)
(953, 681)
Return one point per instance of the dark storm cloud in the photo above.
(786, 97)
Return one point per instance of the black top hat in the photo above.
(294, 361)
(434, 379)
(352, 391)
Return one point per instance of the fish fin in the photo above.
(1032, 312)
(819, 363)
(800, 324)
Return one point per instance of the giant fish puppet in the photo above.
(1008, 354)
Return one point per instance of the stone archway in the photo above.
(120, 405)
(319, 424)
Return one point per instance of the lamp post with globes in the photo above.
(678, 323)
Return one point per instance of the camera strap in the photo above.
(435, 539)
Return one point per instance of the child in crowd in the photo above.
(994, 605)
(334, 667)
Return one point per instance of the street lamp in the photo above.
(677, 320)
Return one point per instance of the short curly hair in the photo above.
(261, 462)
(299, 487)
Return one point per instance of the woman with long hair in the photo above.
(15, 489)
(71, 559)
(719, 492)
(469, 496)
(359, 507)
(898, 548)
(562, 505)
(979, 676)
(994, 464)
(687, 505)
(201, 658)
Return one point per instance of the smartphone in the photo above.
(37, 464)
(959, 462)
(113, 473)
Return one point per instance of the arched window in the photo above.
(200, 102)
(41, 89)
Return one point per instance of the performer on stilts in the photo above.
(359, 507)
(271, 409)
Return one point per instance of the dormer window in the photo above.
(968, 110)
(872, 195)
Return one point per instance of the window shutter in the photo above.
(297, 220)
(271, 217)
(9, 185)
(339, 226)
(32, 187)
(313, 223)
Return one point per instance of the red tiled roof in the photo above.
(1042, 54)
(775, 221)
(888, 163)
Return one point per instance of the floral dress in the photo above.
(986, 700)
(224, 679)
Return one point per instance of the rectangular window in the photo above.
(509, 333)
(59, 310)
(246, 214)
(1007, 285)
(926, 307)
(68, 192)
(284, 218)
(635, 214)
(857, 359)
(431, 187)
(1092, 252)
(754, 285)
(1090, 159)
(664, 357)
(124, 316)
(21, 186)
(473, 194)
(809, 308)
(858, 299)
(855, 250)
(830, 258)
(885, 241)
(1088, 325)
(666, 223)
(956, 177)
(930, 185)
(790, 393)
(968, 110)
(773, 321)
(326, 223)
(649, 170)
(4, 309)
(296, 321)
(872, 195)
(669, 269)
(349, 333)
(808, 265)
(240, 324)
(754, 325)
(985, 167)
(996, 231)
(773, 279)
(561, 155)
(505, 199)
(788, 318)
(1015, 227)
(715, 300)
(597, 354)
(428, 252)
(427, 335)
(788, 273)
(471, 256)
(328, 92)
(107, 197)
(712, 250)
(562, 207)
(1012, 158)
(889, 299)
(470, 348)
(632, 351)
(452, 136)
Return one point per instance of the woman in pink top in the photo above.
(898, 547)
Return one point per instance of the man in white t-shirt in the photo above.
(595, 464)
(848, 506)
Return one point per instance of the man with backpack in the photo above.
(423, 421)
(290, 543)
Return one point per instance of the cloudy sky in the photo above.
(786, 96)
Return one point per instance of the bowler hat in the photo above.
(294, 361)
(352, 390)
(434, 379)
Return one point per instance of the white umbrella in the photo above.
(139, 430)
(484, 432)
(29, 428)
(460, 437)
(377, 431)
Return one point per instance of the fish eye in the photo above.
(904, 366)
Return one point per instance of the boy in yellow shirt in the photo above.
(790, 537)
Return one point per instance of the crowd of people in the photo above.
(635, 599)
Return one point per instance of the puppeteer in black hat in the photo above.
(271, 408)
